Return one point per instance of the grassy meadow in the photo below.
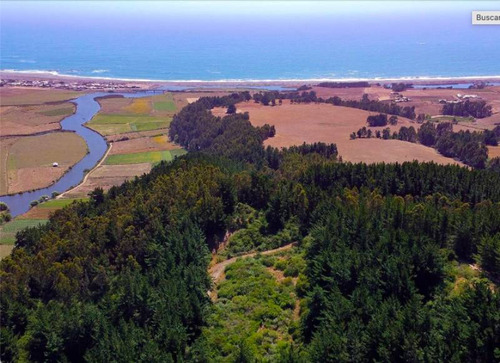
(8, 231)
(140, 114)
(111, 124)
(164, 103)
(144, 157)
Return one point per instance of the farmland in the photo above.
(136, 129)
(45, 209)
(26, 162)
(106, 176)
(25, 120)
(299, 123)
(144, 157)
(31, 140)
(30, 96)
(164, 102)
(119, 124)
(126, 115)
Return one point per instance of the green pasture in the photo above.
(144, 157)
(8, 231)
(110, 124)
(164, 103)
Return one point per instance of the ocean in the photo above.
(253, 48)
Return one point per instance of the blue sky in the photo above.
(43, 11)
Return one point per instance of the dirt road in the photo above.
(216, 271)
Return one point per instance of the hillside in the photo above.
(393, 262)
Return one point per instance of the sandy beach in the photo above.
(224, 84)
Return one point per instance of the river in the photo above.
(86, 108)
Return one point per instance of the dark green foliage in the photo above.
(477, 109)
(469, 147)
(374, 106)
(233, 136)
(494, 164)
(4, 213)
(373, 265)
(377, 120)
(400, 87)
(489, 254)
(490, 138)
(393, 120)
(304, 87)
(427, 134)
(407, 134)
(123, 277)
(266, 131)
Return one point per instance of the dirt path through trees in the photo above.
(217, 270)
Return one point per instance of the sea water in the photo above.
(265, 47)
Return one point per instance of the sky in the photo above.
(57, 11)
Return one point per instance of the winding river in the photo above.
(86, 108)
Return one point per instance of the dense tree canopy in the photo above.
(123, 277)
(477, 109)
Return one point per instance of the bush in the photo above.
(34, 203)
(291, 271)
(5, 217)
(280, 265)
(377, 120)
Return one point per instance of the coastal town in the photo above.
(73, 85)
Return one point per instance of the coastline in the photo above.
(152, 83)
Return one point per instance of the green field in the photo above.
(164, 103)
(8, 231)
(145, 157)
(108, 124)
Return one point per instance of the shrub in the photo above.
(291, 270)
(280, 265)
(377, 120)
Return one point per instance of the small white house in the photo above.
(55, 165)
